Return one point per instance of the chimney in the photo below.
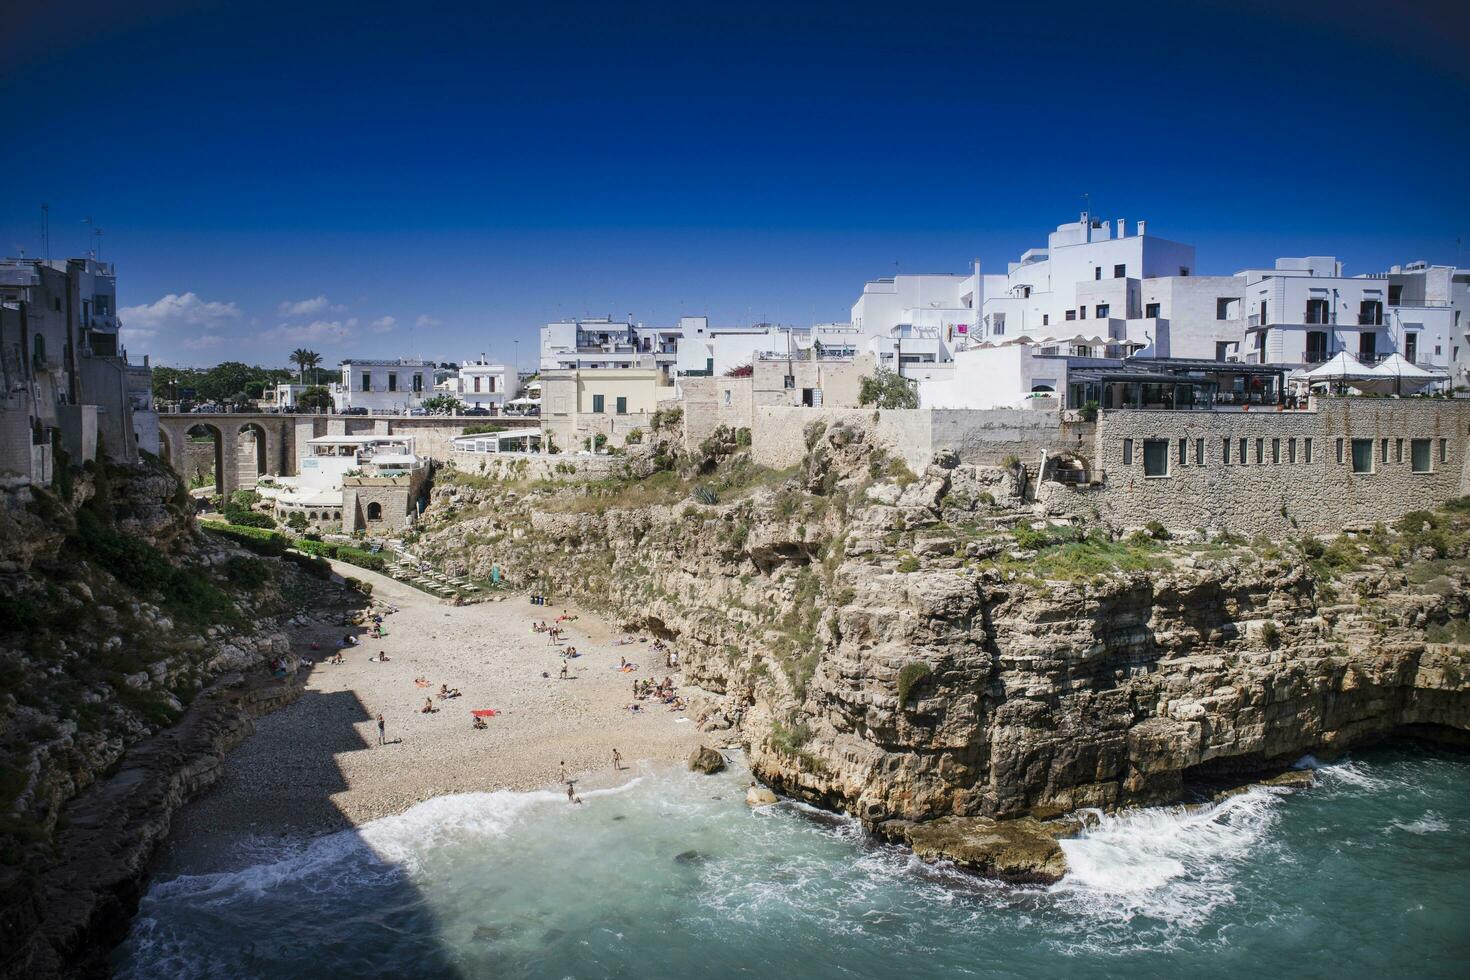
(1122, 228)
(1142, 228)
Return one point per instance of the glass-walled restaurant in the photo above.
(1177, 384)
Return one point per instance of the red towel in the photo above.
(485, 713)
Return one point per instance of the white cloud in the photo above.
(317, 331)
(203, 342)
(308, 307)
(132, 336)
(175, 312)
(382, 324)
(425, 320)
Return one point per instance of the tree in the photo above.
(304, 359)
(889, 389)
(442, 402)
(741, 371)
(224, 381)
(315, 399)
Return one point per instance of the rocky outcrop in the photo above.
(1022, 851)
(706, 760)
(133, 652)
(910, 648)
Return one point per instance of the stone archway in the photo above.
(1069, 468)
(166, 448)
(252, 453)
(203, 464)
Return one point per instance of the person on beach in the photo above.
(428, 708)
(572, 796)
(617, 761)
(563, 670)
(382, 730)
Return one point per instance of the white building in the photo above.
(382, 466)
(1305, 311)
(481, 383)
(384, 387)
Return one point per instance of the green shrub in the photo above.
(1088, 412)
(249, 573)
(1270, 634)
(482, 428)
(1011, 462)
(1157, 531)
(244, 499)
(1030, 539)
(260, 541)
(789, 739)
(912, 673)
(249, 518)
(316, 567)
(908, 564)
(634, 437)
(296, 521)
(705, 494)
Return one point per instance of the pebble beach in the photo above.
(315, 766)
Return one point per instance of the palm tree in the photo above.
(305, 359)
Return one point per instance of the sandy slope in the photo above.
(315, 765)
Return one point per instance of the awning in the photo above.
(1342, 367)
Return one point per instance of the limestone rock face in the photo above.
(759, 796)
(706, 760)
(801, 609)
(1024, 850)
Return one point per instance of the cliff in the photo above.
(917, 647)
(133, 650)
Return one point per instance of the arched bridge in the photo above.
(235, 449)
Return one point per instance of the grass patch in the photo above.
(911, 673)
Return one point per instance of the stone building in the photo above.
(806, 380)
(1346, 462)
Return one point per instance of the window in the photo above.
(375, 511)
(367, 382)
(1082, 313)
(1151, 310)
(1306, 450)
(1071, 314)
(1183, 452)
(418, 383)
(1155, 457)
(790, 382)
(1411, 347)
(727, 397)
(1395, 293)
(1362, 455)
(1045, 319)
(1222, 349)
(1127, 452)
(1419, 455)
(1097, 273)
(1260, 451)
(392, 381)
(1184, 270)
(56, 304)
(1102, 311)
(597, 404)
(1291, 450)
(1199, 452)
(1275, 451)
(477, 382)
(622, 405)
(1120, 271)
(1398, 450)
(1339, 450)
(1222, 308)
(1225, 456)
(1242, 454)
(1444, 445)
(1383, 455)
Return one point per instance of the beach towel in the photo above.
(628, 669)
(420, 683)
(484, 712)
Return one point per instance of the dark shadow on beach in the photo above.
(278, 883)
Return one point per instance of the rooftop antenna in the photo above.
(46, 229)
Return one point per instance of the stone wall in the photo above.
(1276, 491)
(985, 436)
(566, 467)
(396, 498)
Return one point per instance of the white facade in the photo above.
(481, 384)
(385, 387)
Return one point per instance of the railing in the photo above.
(1254, 320)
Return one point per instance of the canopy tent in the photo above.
(1396, 374)
(1342, 367)
(524, 401)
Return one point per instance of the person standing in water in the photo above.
(382, 728)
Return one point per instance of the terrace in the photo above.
(1179, 384)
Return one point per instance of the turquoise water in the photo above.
(672, 876)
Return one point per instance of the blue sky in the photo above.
(417, 179)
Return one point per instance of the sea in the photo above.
(671, 875)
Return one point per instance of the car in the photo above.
(476, 411)
(356, 410)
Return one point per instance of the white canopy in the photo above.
(1397, 375)
(524, 401)
(1342, 367)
